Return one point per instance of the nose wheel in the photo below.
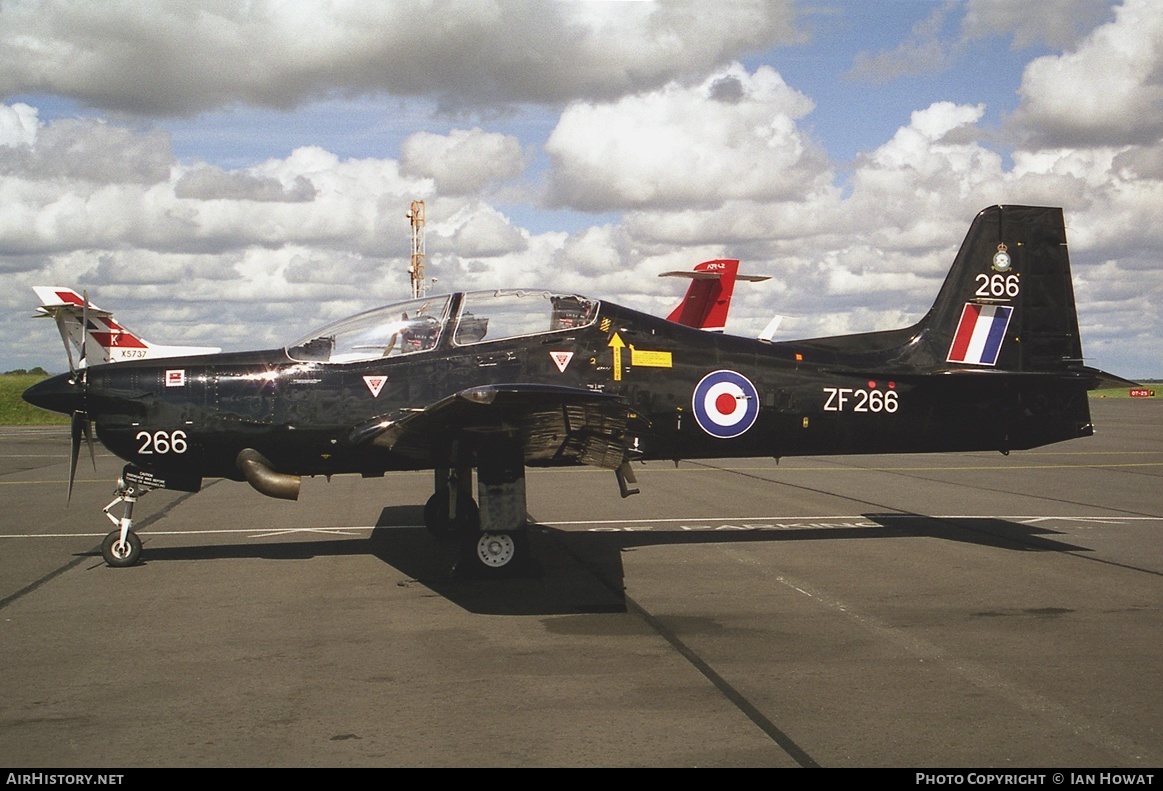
(120, 550)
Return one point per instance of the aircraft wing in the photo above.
(556, 424)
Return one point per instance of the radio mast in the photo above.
(416, 267)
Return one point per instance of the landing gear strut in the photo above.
(451, 512)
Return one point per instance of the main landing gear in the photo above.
(492, 536)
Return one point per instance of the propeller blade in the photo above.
(79, 427)
(60, 317)
(88, 429)
(76, 429)
(84, 326)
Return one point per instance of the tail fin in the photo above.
(103, 340)
(708, 298)
(996, 363)
(1008, 302)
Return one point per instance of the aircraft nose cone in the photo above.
(61, 393)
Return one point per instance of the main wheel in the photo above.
(496, 550)
(495, 556)
(118, 553)
(441, 525)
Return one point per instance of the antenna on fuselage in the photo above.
(416, 265)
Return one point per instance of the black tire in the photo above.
(437, 521)
(118, 554)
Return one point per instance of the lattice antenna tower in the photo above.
(417, 265)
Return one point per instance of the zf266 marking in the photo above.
(849, 399)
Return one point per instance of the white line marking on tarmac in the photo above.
(331, 531)
(612, 525)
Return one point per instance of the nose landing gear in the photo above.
(122, 547)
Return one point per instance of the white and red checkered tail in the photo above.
(95, 336)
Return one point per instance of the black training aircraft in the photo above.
(497, 381)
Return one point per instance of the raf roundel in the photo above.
(725, 403)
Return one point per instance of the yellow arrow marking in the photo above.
(617, 345)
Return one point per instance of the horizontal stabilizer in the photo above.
(769, 331)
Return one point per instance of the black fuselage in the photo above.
(188, 418)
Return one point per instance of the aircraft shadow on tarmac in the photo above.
(581, 572)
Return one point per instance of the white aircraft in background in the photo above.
(95, 335)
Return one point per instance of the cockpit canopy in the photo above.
(420, 325)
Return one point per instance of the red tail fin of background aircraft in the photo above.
(708, 297)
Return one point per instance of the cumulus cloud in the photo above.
(18, 125)
(732, 136)
(893, 233)
(932, 167)
(85, 184)
(211, 183)
(311, 230)
(462, 162)
(1108, 91)
(84, 149)
(173, 57)
(1141, 162)
(687, 162)
(939, 41)
(1056, 23)
(475, 231)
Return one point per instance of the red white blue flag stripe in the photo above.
(979, 334)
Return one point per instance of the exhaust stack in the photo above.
(262, 476)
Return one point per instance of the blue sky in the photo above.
(235, 175)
